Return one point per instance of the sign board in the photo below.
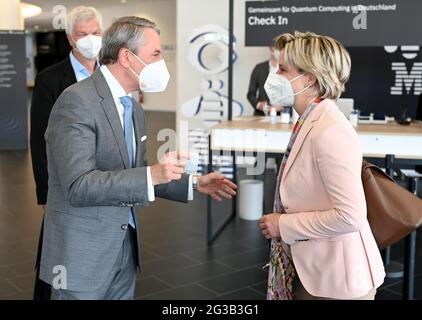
(354, 23)
(13, 91)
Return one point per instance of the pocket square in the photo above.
(143, 138)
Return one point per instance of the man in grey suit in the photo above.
(97, 172)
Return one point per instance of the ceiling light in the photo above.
(29, 10)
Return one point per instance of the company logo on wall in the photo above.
(386, 80)
(405, 80)
(209, 55)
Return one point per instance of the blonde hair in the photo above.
(82, 14)
(322, 56)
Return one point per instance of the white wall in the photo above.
(10, 15)
(188, 78)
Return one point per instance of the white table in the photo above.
(257, 134)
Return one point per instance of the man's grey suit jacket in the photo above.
(91, 187)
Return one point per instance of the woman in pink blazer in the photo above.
(321, 244)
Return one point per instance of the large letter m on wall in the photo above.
(407, 79)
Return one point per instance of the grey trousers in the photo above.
(120, 285)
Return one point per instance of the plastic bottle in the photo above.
(354, 117)
(273, 115)
(285, 116)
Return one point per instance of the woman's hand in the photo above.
(269, 225)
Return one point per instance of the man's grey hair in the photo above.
(82, 14)
(126, 32)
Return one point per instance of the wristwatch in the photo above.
(195, 182)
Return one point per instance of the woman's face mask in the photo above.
(154, 77)
(280, 91)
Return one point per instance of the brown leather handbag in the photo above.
(393, 212)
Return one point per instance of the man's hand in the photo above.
(261, 105)
(269, 225)
(169, 168)
(44, 207)
(217, 186)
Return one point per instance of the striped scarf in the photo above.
(282, 271)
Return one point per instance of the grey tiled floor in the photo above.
(176, 261)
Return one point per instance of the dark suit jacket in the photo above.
(49, 84)
(256, 90)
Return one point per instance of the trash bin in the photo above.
(250, 199)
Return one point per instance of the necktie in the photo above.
(128, 130)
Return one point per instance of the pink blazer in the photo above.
(322, 194)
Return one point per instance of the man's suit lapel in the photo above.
(303, 133)
(69, 77)
(138, 122)
(110, 110)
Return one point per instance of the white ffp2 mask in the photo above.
(280, 91)
(89, 46)
(154, 77)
